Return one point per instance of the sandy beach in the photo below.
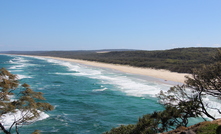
(165, 75)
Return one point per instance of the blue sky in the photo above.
(109, 24)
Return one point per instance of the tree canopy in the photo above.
(26, 101)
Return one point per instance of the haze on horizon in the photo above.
(109, 24)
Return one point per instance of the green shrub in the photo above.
(128, 129)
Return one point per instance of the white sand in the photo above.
(156, 73)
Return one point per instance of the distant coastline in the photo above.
(165, 75)
(181, 60)
(156, 73)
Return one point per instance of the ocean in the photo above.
(87, 100)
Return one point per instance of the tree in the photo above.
(27, 101)
(203, 81)
(182, 102)
(157, 122)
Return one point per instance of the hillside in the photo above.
(177, 60)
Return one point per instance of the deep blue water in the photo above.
(87, 100)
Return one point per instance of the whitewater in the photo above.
(87, 99)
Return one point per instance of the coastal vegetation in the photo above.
(180, 60)
(21, 99)
(182, 103)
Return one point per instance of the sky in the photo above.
(33, 25)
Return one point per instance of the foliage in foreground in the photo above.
(156, 122)
(182, 103)
(27, 101)
(203, 82)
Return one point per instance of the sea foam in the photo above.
(128, 84)
(20, 76)
(8, 119)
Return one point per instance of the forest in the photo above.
(180, 60)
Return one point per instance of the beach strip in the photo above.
(165, 75)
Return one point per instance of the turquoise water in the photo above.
(87, 100)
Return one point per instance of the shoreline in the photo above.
(165, 75)
(162, 75)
